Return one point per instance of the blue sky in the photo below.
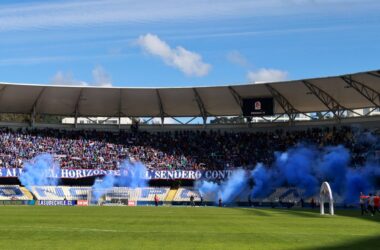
(154, 43)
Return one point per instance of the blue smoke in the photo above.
(207, 187)
(101, 186)
(367, 138)
(42, 170)
(227, 190)
(306, 167)
(131, 175)
(361, 180)
(264, 178)
(232, 187)
(356, 183)
(333, 167)
(296, 169)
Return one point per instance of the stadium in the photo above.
(190, 124)
(126, 170)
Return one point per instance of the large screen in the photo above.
(257, 106)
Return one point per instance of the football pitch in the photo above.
(37, 227)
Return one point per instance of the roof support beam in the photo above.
(175, 119)
(279, 116)
(238, 100)
(119, 107)
(147, 121)
(76, 111)
(332, 105)
(236, 95)
(374, 74)
(161, 107)
(2, 90)
(369, 93)
(201, 106)
(192, 119)
(284, 103)
(370, 112)
(99, 121)
(34, 107)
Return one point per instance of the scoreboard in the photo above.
(258, 106)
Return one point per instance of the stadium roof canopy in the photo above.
(337, 93)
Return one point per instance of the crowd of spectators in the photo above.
(169, 150)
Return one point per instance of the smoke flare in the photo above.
(306, 167)
(131, 175)
(42, 170)
(227, 190)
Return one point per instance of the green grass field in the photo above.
(37, 227)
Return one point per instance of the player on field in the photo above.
(363, 202)
(192, 203)
(376, 201)
(313, 203)
(156, 200)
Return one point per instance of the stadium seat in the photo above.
(48, 193)
(184, 194)
(76, 193)
(13, 192)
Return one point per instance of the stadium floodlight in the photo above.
(326, 195)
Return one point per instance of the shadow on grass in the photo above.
(307, 213)
(355, 213)
(252, 211)
(274, 211)
(299, 212)
(362, 244)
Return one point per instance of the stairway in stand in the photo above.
(171, 195)
(27, 193)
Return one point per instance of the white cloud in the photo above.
(66, 78)
(101, 77)
(267, 75)
(260, 75)
(190, 63)
(237, 58)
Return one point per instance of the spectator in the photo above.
(179, 150)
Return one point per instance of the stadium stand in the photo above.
(14, 192)
(138, 194)
(184, 193)
(147, 194)
(28, 194)
(76, 192)
(171, 150)
(185, 147)
(171, 195)
(81, 193)
(48, 193)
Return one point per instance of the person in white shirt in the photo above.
(371, 204)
